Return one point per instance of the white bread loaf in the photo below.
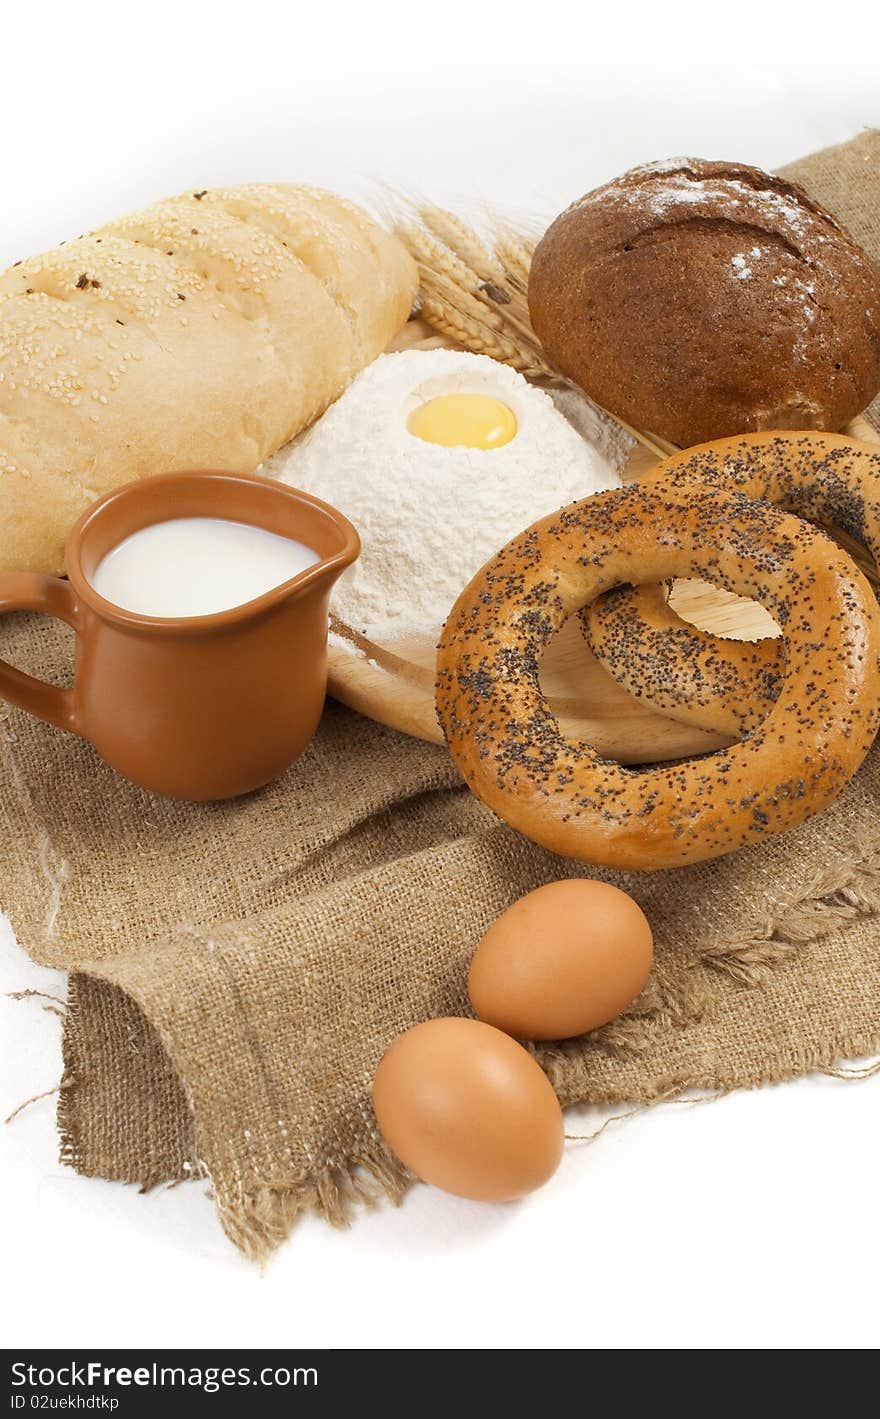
(203, 332)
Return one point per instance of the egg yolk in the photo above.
(463, 420)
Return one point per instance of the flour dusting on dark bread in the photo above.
(701, 299)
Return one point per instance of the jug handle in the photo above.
(30, 591)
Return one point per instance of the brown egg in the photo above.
(468, 1109)
(565, 959)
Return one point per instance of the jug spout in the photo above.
(323, 528)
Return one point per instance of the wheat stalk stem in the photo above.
(479, 338)
(515, 255)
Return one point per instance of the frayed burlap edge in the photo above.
(153, 1172)
(257, 1219)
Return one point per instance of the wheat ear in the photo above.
(464, 242)
(479, 338)
(437, 262)
(515, 256)
(434, 256)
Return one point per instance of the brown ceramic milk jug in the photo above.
(195, 707)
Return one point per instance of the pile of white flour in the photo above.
(430, 516)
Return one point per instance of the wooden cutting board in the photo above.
(394, 683)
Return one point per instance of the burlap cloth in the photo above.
(238, 969)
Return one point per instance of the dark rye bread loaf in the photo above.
(701, 299)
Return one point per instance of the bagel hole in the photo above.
(723, 613)
(591, 708)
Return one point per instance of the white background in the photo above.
(746, 1222)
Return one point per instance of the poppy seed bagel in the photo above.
(512, 751)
